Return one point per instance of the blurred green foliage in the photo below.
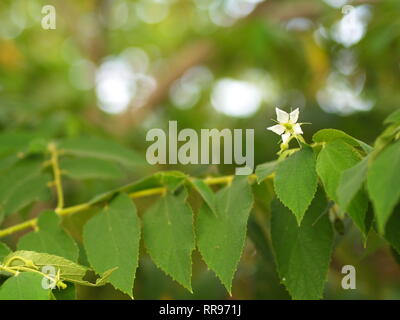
(341, 68)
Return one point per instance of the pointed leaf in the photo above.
(302, 252)
(111, 239)
(221, 237)
(296, 181)
(169, 237)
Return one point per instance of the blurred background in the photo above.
(117, 68)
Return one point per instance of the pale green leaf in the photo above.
(50, 238)
(25, 286)
(383, 182)
(296, 181)
(169, 236)
(111, 239)
(302, 252)
(221, 237)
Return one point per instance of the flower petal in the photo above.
(278, 129)
(285, 137)
(294, 115)
(282, 116)
(297, 129)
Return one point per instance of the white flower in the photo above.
(287, 124)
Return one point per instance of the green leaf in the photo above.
(265, 169)
(15, 142)
(50, 238)
(111, 239)
(101, 149)
(89, 168)
(394, 117)
(330, 135)
(383, 183)
(302, 252)
(4, 251)
(206, 193)
(333, 160)
(69, 270)
(296, 181)
(21, 186)
(169, 237)
(25, 286)
(221, 237)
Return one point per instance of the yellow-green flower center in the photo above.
(288, 126)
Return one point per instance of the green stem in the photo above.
(32, 223)
(57, 175)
